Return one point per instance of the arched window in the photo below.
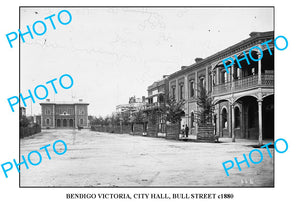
(224, 118)
(81, 121)
(71, 122)
(180, 91)
(48, 111)
(47, 121)
(192, 89)
(237, 118)
(192, 119)
(65, 122)
(58, 122)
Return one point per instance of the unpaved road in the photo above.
(101, 159)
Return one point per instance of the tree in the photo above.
(139, 117)
(152, 115)
(204, 101)
(173, 110)
(24, 122)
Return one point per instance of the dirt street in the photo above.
(101, 159)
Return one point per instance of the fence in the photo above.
(28, 131)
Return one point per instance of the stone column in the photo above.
(76, 117)
(177, 90)
(196, 85)
(239, 73)
(218, 76)
(231, 79)
(218, 120)
(233, 123)
(259, 70)
(42, 117)
(87, 117)
(206, 79)
(53, 116)
(259, 101)
(229, 122)
(212, 82)
(186, 95)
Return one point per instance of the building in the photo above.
(22, 111)
(157, 93)
(64, 115)
(243, 98)
(134, 104)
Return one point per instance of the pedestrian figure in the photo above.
(186, 131)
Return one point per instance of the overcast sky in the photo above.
(115, 53)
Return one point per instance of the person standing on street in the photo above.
(186, 131)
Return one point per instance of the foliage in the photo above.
(204, 101)
(24, 121)
(97, 121)
(152, 115)
(125, 117)
(139, 117)
(173, 110)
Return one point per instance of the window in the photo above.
(150, 100)
(173, 92)
(224, 118)
(181, 91)
(192, 120)
(81, 121)
(161, 98)
(192, 91)
(201, 82)
(223, 77)
(70, 111)
(237, 117)
(47, 121)
(48, 111)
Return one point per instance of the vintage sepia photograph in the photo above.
(146, 97)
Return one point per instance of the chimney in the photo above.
(197, 60)
(47, 100)
(80, 100)
(183, 67)
(253, 34)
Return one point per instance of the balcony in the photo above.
(152, 106)
(250, 82)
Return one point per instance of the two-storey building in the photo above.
(64, 115)
(243, 98)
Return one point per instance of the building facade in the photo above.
(243, 98)
(64, 115)
(134, 104)
(157, 93)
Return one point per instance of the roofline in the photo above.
(253, 36)
(51, 103)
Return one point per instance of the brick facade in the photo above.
(64, 115)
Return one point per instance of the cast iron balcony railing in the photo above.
(249, 82)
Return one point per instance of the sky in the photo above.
(115, 53)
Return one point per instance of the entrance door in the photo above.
(65, 123)
(71, 122)
(58, 122)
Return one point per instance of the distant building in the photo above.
(157, 91)
(134, 104)
(64, 115)
(37, 119)
(22, 111)
(157, 94)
